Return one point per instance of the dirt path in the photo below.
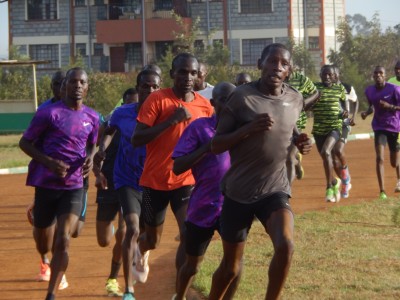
(89, 264)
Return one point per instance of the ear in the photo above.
(212, 102)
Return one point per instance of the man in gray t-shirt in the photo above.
(257, 127)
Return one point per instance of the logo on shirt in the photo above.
(386, 97)
(285, 104)
(86, 124)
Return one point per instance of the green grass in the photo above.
(10, 153)
(348, 252)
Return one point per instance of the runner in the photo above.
(61, 141)
(128, 170)
(161, 121)
(193, 152)
(384, 101)
(256, 127)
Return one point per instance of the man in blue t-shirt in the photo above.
(128, 168)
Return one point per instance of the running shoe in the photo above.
(382, 196)
(141, 268)
(128, 296)
(29, 213)
(344, 190)
(397, 188)
(336, 190)
(44, 272)
(63, 284)
(112, 288)
(330, 196)
(299, 168)
(345, 175)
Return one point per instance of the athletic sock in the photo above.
(115, 267)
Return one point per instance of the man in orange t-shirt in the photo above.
(161, 121)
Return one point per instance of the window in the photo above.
(98, 49)
(163, 5)
(255, 6)
(99, 2)
(45, 52)
(161, 49)
(199, 45)
(42, 10)
(251, 50)
(81, 49)
(80, 2)
(313, 42)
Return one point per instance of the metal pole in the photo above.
(144, 48)
(208, 22)
(230, 33)
(89, 37)
(34, 86)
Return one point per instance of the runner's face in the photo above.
(77, 85)
(184, 74)
(275, 67)
(147, 85)
(328, 76)
(379, 76)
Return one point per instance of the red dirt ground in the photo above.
(89, 264)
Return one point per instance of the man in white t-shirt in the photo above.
(201, 86)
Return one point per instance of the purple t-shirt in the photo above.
(61, 133)
(384, 119)
(205, 203)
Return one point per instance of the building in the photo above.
(110, 35)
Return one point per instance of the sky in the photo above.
(387, 9)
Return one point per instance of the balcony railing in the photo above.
(123, 12)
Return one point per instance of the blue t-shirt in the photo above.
(129, 162)
(47, 103)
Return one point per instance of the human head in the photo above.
(147, 81)
(154, 68)
(379, 76)
(327, 75)
(55, 85)
(242, 78)
(274, 65)
(201, 77)
(76, 84)
(130, 96)
(184, 73)
(397, 70)
(220, 95)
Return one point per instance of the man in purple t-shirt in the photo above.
(384, 102)
(61, 140)
(193, 152)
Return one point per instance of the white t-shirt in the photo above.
(207, 92)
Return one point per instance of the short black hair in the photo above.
(182, 55)
(74, 69)
(145, 73)
(129, 92)
(268, 49)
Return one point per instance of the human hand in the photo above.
(58, 167)
(181, 114)
(101, 182)
(87, 166)
(261, 122)
(303, 143)
(364, 114)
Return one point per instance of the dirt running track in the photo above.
(89, 264)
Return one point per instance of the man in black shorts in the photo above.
(257, 127)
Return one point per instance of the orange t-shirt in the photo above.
(158, 107)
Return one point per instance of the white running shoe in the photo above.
(141, 268)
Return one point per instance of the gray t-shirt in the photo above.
(258, 162)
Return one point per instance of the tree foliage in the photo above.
(364, 45)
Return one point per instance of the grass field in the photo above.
(348, 252)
